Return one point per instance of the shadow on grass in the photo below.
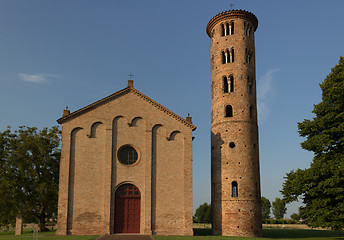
(300, 233)
(284, 233)
(202, 232)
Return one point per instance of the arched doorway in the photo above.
(127, 209)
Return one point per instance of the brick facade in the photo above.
(235, 180)
(90, 171)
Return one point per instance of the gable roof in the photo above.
(118, 94)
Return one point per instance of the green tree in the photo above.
(7, 188)
(321, 187)
(278, 208)
(203, 213)
(295, 216)
(266, 205)
(29, 161)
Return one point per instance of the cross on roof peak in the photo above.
(130, 76)
(231, 5)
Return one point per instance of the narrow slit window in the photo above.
(234, 189)
(248, 56)
(229, 111)
(227, 29)
(223, 29)
(225, 85)
(232, 28)
(231, 84)
(232, 55)
(228, 56)
(224, 58)
(249, 85)
(247, 30)
(251, 111)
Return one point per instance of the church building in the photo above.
(126, 167)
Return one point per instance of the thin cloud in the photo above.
(36, 78)
(264, 90)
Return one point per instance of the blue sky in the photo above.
(59, 53)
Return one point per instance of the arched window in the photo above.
(229, 111)
(227, 29)
(224, 58)
(234, 189)
(248, 56)
(225, 84)
(232, 28)
(247, 29)
(231, 84)
(249, 85)
(232, 55)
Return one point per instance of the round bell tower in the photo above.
(235, 180)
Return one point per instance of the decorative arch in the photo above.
(123, 183)
(115, 123)
(155, 132)
(94, 129)
(135, 121)
(174, 134)
(71, 176)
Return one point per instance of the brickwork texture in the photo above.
(235, 180)
(90, 171)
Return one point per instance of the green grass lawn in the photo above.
(292, 234)
(41, 236)
(201, 234)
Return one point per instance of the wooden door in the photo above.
(127, 209)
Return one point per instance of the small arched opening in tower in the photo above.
(227, 29)
(223, 28)
(224, 57)
(234, 189)
(247, 28)
(249, 85)
(227, 56)
(225, 85)
(232, 55)
(229, 111)
(231, 83)
(248, 56)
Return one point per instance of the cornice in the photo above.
(232, 14)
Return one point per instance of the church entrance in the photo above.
(127, 209)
